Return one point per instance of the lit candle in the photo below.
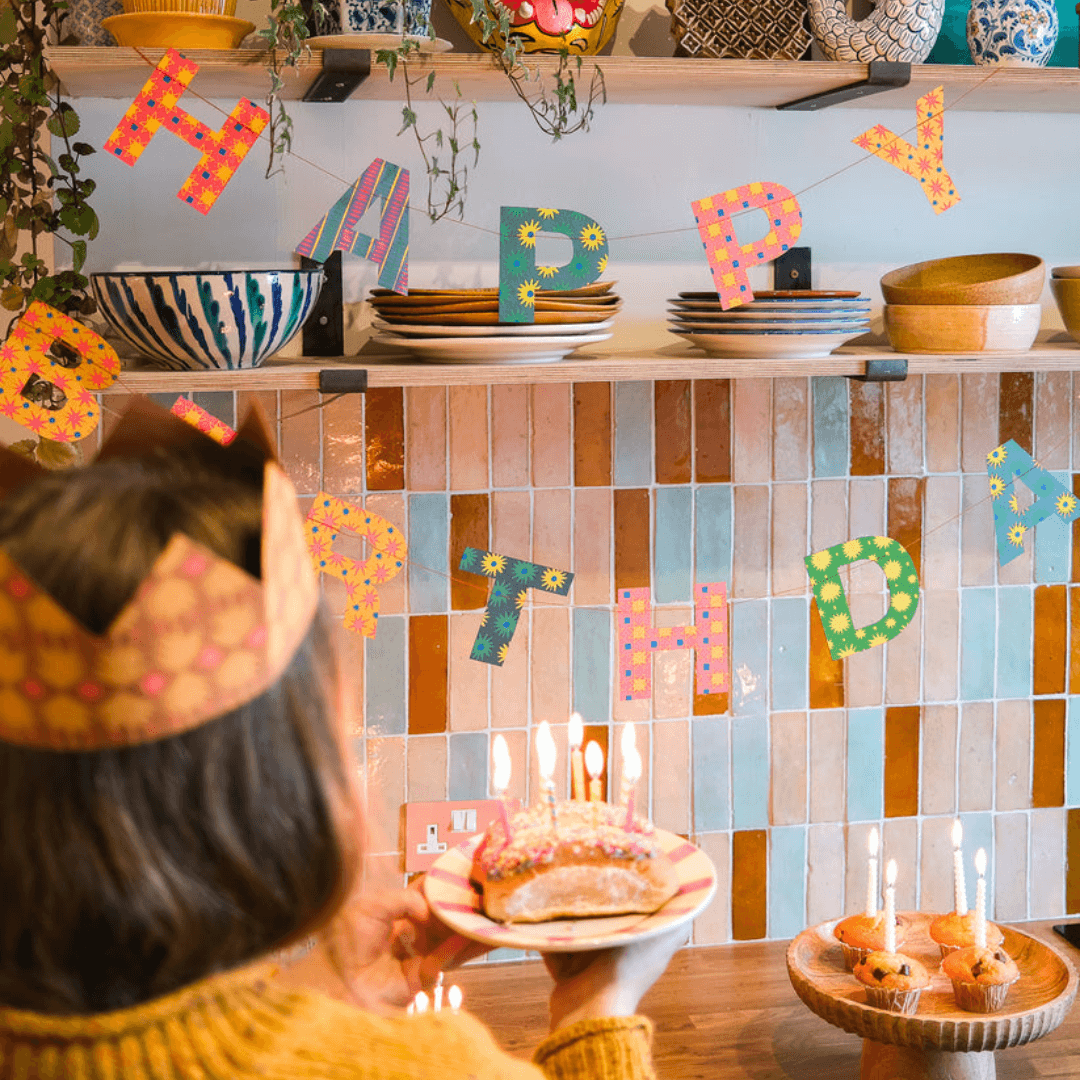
(545, 751)
(453, 997)
(500, 779)
(890, 907)
(959, 885)
(980, 899)
(439, 992)
(628, 750)
(577, 759)
(871, 909)
(420, 1002)
(594, 762)
(631, 773)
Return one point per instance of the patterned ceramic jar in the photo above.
(546, 26)
(1019, 33)
(898, 30)
(385, 16)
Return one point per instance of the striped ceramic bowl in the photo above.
(189, 321)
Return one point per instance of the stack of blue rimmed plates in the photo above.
(804, 323)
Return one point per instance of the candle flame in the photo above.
(500, 759)
(980, 862)
(957, 833)
(545, 750)
(453, 996)
(420, 1002)
(632, 765)
(872, 842)
(890, 873)
(576, 731)
(627, 740)
(594, 760)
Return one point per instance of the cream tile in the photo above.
(392, 593)
(1052, 419)
(866, 517)
(790, 429)
(941, 665)
(825, 872)
(551, 535)
(468, 679)
(976, 765)
(828, 513)
(978, 419)
(517, 742)
(751, 424)
(904, 427)
(1021, 570)
(510, 436)
(789, 539)
(385, 793)
(900, 841)
(787, 771)
(510, 520)
(750, 554)
(671, 781)
(855, 865)
(1047, 871)
(935, 866)
(937, 787)
(713, 925)
(425, 438)
(903, 663)
(637, 712)
(468, 438)
(510, 683)
(426, 767)
(1010, 868)
(828, 758)
(550, 655)
(942, 396)
(592, 547)
(1013, 755)
(978, 554)
(863, 672)
(673, 671)
(940, 565)
(551, 434)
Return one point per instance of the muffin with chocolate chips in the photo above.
(860, 935)
(981, 977)
(893, 981)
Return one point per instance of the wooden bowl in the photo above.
(1065, 272)
(967, 279)
(1066, 292)
(923, 328)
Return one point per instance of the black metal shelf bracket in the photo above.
(348, 380)
(324, 328)
(891, 369)
(343, 70)
(881, 75)
(792, 269)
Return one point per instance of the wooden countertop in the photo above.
(729, 1011)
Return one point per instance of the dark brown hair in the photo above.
(126, 874)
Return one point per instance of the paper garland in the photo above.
(50, 369)
(520, 279)
(330, 516)
(727, 258)
(1005, 465)
(925, 162)
(639, 639)
(337, 230)
(509, 591)
(843, 637)
(154, 109)
(206, 422)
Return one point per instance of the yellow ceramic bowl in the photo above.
(194, 7)
(1005, 278)
(1067, 294)
(962, 328)
(177, 30)
(583, 27)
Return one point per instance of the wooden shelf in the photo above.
(591, 365)
(120, 72)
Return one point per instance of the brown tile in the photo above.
(712, 431)
(749, 880)
(1051, 639)
(469, 527)
(942, 397)
(826, 674)
(551, 434)
(791, 429)
(343, 445)
(425, 430)
(510, 436)
(751, 431)
(1074, 631)
(1048, 754)
(428, 704)
(468, 409)
(902, 761)
(592, 434)
(1016, 407)
(672, 448)
(1072, 862)
(301, 453)
(937, 790)
(632, 516)
(979, 421)
(867, 410)
(1052, 405)
(711, 704)
(384, 437)
(905, 514)
(904, 425)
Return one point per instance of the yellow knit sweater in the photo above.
(244, 1026)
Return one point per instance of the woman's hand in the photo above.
(608, 982)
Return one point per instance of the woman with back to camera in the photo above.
(176, 802)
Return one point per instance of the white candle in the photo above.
(980, 899)
(453, 998)
(420, 1002)
(871, 909)
(594, 762)
(576, 736)
(890, 907)
(545, 751)
(500, 779)
(439, 992)
(628, 749)
(959, 885)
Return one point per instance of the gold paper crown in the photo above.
(200, 637)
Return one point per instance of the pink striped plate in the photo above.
(456, 900)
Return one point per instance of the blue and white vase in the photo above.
(1019, 33)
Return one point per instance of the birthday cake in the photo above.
(588, 864)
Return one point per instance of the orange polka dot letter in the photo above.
(50, 370)
(727, 257)
(155, 110)
(326, 519)
(199, 418)
(925, 162)
(639, 639)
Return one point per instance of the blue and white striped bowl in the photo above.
(194, 320)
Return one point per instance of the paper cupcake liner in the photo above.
(905, 1002)
(946, 949)
(980, 997)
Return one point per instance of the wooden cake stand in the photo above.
(941, 1041)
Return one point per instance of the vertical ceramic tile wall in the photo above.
(973, 710)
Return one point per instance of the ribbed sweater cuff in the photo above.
(615, 1048)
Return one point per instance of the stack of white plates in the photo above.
(802, 323)
(461, 326)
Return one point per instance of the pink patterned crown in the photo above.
(200, 637)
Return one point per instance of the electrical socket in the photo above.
(433, 827)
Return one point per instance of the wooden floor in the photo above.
(729, 1011)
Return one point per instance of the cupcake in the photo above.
(893, 981)
(980, 977)
(952, 932)
(860, 935)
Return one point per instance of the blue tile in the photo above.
(749, 772)
(830, 394)
(384, 678)
(712, 802)
(429, 544)
(504, 955)
(218, 403)
(790, 649)
(977, 614)
(672, 556)
(592, 664)
(787, 881)
(749, 639)
(468, 765)
(979, 833)
(1072, 753)
(1053, 545)
(712, 536)
(633, 434)
(865, 765)
(1014, 658)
